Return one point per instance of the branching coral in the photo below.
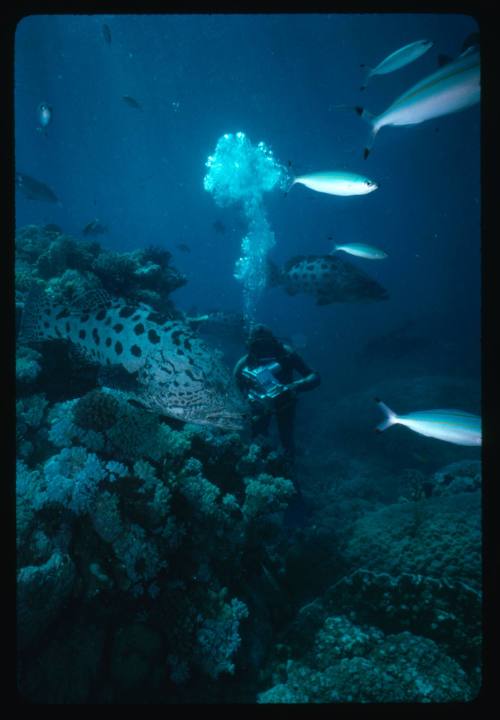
(218, 639)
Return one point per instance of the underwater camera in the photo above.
(265, 386)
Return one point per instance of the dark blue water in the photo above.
(278, 79)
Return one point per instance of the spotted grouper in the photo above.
(174, 372)
(328, 278)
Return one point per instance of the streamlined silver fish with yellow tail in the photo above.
(398, 59)
(453, 87)
(453, 426)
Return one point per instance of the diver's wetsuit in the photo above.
(283, 406)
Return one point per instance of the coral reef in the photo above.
(439, 537)
(70, 267)
(42, 591)
(154, 563)
(350, 663)
(464, 476)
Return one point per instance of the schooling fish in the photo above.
(95, 228)
(34, 189)
(131, 102)
(361, 250)
(171, 370)
(183, 247)
(219, 227)
(454, 426)
(329, 279)
(454, 87)
(44, 116)
(336, 183)
(398, 59)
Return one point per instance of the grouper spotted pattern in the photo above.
(327, 278)
(176, 373)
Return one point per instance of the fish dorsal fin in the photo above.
(469, 51)
(91, 300)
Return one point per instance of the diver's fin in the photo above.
(391, 417)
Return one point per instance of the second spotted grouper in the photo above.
(174, 372)
(328, 278)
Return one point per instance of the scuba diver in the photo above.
(265, 377)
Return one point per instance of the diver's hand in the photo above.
(289, 393)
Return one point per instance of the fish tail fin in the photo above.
(290, 183)
(390, 419)
(367, 78)
(334, 245)
(31, 329)
(369, 117)
(368, 147)
(364, 113)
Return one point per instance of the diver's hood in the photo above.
(262, 343)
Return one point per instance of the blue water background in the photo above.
(277, 78)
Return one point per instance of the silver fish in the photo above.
(398, 59)
(336, 182)
(44, 116)
(454, 87)
(328, 278)
(174, 372)
(95, 228)
(454, 426)
(361, 250)
(132, 102)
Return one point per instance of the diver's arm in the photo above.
(310, 378)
